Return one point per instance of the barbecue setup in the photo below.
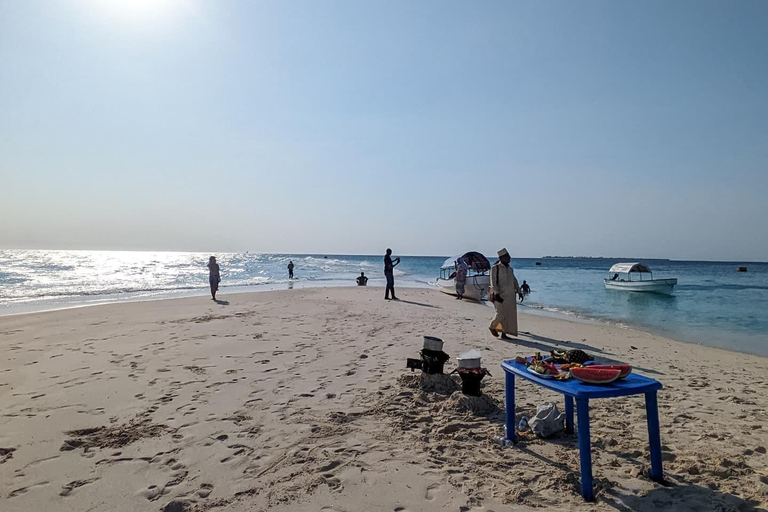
(432, 358)
(432, 361)
(572, 373)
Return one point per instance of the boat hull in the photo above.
(660, 286)
(476, 287)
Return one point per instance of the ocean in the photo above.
(712, 304)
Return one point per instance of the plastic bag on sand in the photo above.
(548, 420)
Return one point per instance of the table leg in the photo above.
(509, 403)
(585, 449)
(652, 413)
(568, 414)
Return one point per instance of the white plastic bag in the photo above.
(548, 420)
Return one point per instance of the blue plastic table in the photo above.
(633, 384)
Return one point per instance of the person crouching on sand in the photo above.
(214, 277)
(504, 289)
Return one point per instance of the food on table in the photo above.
(570, 356)
(624, 368)
(578, 356)
(592, 375)
(543, 368)
(558, 356)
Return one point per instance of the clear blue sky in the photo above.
(550, 127)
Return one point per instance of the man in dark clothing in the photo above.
(290, 270)
(362, 280)
(389, 273)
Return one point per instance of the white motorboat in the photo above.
(478, 276)
(636, 277)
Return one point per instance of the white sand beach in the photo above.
(300, 400)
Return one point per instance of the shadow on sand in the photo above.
(674, 490)
(544, 344)
(221, 302)
(416, 303)
(695, 497)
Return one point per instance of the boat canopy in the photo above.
(475, 261)
(629, 267)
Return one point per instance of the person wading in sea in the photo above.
(389, 273)
(504, 289)
(290, 270)
(214, 277)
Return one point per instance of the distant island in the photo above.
(602, 258)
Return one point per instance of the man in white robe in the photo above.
(504, 292)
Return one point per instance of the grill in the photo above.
(431, 361)
(470, 380)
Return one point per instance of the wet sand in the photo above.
(300, 400)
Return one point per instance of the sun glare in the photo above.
(139, 11)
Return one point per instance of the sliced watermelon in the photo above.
(592, 375)
(625, 368)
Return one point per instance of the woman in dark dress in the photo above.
(214, 277)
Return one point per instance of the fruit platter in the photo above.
(573, 364)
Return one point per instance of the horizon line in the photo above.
(361, 254)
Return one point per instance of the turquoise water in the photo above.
(712, 304)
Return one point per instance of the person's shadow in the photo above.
(221, 302)
(546, 344)
(416, 303)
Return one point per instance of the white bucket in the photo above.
(432, 343)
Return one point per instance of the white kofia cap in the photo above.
(503, 252)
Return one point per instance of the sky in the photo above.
(595, 128)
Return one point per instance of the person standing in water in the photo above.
(290, 269)
(214, 276)
(504, 288)
(389, 273)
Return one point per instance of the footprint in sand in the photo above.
(152, 492)
(205, 490)
(431, 492)
(67, 489)
(24, 490)
(6, 454)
